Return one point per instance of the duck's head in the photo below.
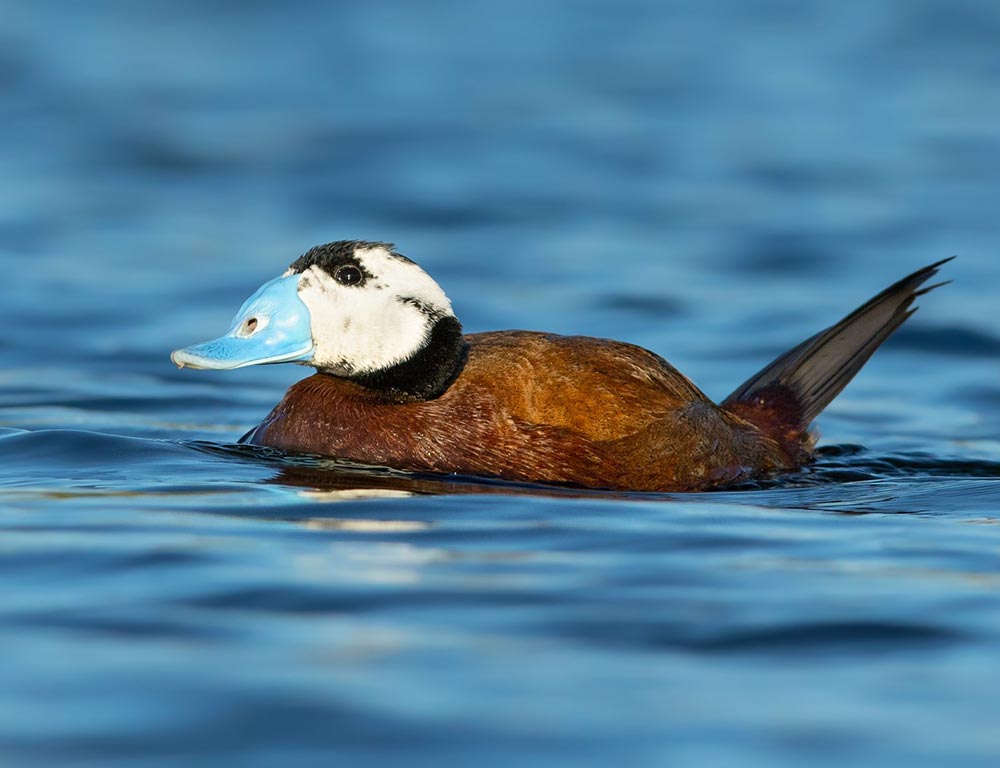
(352, 309)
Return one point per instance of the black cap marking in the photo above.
(333, 255)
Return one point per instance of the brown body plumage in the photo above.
(537, 407)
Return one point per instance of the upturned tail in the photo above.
(784, 398)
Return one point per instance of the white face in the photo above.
(376, 324)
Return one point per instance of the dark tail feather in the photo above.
(790, 392)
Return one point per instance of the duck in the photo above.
(398, 384)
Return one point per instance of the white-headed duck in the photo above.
(399, 385)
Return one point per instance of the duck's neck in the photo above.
(428, 373)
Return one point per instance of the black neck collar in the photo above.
(428, 373)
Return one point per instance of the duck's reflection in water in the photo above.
(335, 481)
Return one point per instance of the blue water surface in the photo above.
(715, 181)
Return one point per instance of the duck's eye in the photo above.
(348, 275)
(250, 325)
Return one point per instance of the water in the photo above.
(711, 181)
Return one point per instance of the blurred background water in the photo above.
(712, 180)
